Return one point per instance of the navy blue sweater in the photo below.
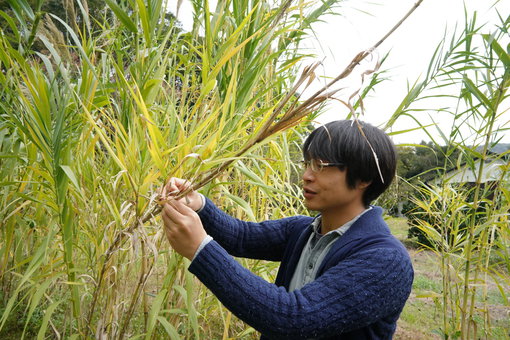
(359, 292)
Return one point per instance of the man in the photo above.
(342, 274)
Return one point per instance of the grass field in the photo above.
(421, 318)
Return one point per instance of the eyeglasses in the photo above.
(316, 165)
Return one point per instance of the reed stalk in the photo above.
(270, 127)
(458, 219)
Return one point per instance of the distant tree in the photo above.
(67, 10)
(406, 161)
(73, 15)
(63, 9)
(415, 163)
(424, 160)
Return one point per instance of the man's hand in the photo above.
(183, 227)
(177, 185)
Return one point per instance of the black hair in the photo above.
(342, 141)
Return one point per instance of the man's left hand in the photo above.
(183, 227)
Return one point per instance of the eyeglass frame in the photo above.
(319, 164)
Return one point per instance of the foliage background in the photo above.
(99, 105)
(98, 108)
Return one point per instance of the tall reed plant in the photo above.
(93, 122)
(464, 212)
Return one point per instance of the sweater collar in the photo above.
(340, 230)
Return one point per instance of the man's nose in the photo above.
(308, 175)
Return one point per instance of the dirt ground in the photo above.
(426, 317)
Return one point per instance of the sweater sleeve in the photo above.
(264, 240)
(355, 293)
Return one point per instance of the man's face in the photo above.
(326, 190)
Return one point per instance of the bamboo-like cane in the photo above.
(290, 118)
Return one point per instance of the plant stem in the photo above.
(468, 317)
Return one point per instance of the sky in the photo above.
(411, 48)
(358, 26)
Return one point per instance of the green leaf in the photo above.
(35, 262)
(46, 319)
(243, 204)
(40, 290)
(154, 312)
(169, 328)
(472, 88)
(70, 174)
(11, 24)
(146, 22)
(429, 294)
(22, 5)
(393, 133)
(501, 53)
(190, 304)
(78, 43)
(123, 17)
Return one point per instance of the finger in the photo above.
(182, 207)
(181, 184)
(177, 209)
(167, 221)
(177, 185)
(169, 230)
(171, 187)
(171, 211)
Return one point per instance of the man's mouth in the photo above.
(308, 193)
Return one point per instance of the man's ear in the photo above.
(363, 185)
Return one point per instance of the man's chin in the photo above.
(310, 205)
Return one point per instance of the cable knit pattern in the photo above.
(361, 288)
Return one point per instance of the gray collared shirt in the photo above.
(316, 250)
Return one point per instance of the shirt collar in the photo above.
(316, 224)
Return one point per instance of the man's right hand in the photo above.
(177, 185)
